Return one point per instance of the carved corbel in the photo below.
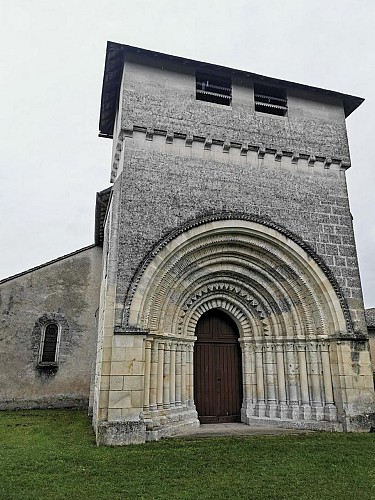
(226, 146)
(327, 162)
(149, 134)
(278, 155)
(295, 157)
(261, 152)
(189, 140)
(208, 143)
(244, 148)
(169, 137)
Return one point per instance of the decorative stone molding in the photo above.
(208, 143)
(224, 218)
(150, 134)
(327, 162)
(189, 140)
(213, 296)
(244, 149)
(169, 137)
(295, 157)
(278, 155)
(261, 153)
(227, 146)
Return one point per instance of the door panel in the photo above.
(217, 369)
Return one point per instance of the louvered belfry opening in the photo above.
(217, 369)
(215, 89)
(270, 100)
(50, 343)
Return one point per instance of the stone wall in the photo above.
(181, 158)
(163, 98)
(370, 318)
(165, 185)
(65, 291)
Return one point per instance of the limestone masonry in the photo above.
(229, 284)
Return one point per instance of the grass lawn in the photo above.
(51, 454)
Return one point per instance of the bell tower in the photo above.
(229, 201)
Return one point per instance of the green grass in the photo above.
(51, 454)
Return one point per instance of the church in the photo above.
(223, 283)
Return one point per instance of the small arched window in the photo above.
(50, 343)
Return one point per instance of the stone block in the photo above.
(137, 368)
(119, 399)
(121, 433)
(118, 368)
(134, 354)
(121, 341)
(106, 368)
(118, 354)
(104, 382)
(114, 414)
(103, 399)
(133, 383)
(107, 354)
(131, 413)
(116, 382)
(137, 399)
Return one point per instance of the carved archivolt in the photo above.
(267, 282)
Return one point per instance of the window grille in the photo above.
(50, 343)
(213, 89)
(270, 100)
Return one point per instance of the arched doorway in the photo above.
(217, 369)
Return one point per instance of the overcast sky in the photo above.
(51, 68)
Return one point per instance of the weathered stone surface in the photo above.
(121, 433)
(225, 207)
(66, 291)
(370, 319)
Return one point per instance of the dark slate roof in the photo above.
(370, 317)
(116, 54)
(102, 201)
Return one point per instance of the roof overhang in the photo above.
(117, 53)
(101, 208)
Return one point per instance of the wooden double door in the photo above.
(217, 369)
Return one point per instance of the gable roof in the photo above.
(48, 263)
(116, 54)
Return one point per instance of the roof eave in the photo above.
(114, 61)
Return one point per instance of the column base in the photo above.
(305, 412)
(317, 412)
(271, 410)
(294, 411)
(330, 412)
(247, 410)
(174, 421)
(260, 409)
(288, 423)
(282, 411)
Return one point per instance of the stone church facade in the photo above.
(228, 287)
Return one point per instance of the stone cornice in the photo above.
(225, 146)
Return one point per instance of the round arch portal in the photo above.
(283, 303)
